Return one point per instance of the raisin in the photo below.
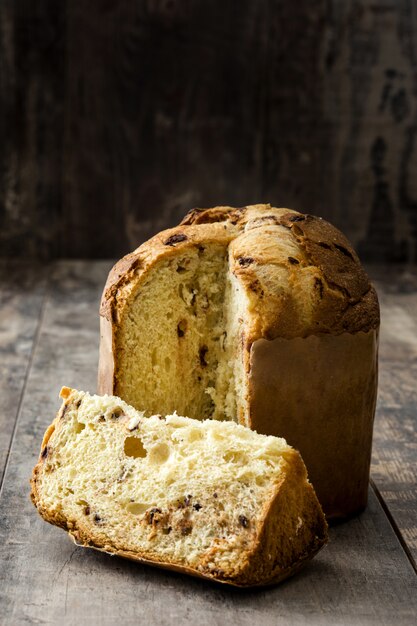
(186, 528)
(97, 518)
(244, 261)
(243, 521)
(197, 506)
(64, 410)
(87, 510)
(150, 515)
(45, 452)
(171, 241)
(267, 218)
(318, 284)
(187, 500)
(202, 356)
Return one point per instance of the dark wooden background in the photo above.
(116, 117)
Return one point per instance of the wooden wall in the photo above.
(116, 117)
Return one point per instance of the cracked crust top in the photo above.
(300, 274)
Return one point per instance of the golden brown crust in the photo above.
(133, 268)
(182, 569)
(34, 494)
(324, 269)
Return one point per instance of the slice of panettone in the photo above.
(207, 498)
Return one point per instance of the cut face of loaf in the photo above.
(208, 498)
(259, 315)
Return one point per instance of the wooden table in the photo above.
(367, 573)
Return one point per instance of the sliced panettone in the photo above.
(207, 498)
(260, 315)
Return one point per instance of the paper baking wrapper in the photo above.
(319, 393)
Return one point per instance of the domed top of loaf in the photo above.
(300, 275)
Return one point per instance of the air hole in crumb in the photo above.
(159, 454)
(194, 435)
(181, 328)
(235, 457)
(154, 357)
(167, 363)
(217, 436)
(134, 447)
(181, 269)
(116, 413)
(202, 353)
(137, 508)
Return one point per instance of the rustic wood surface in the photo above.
(22, 294)
(364, 576)
(117, 117)
(394, 460)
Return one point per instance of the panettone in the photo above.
(260, 315)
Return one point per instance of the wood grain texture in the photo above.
(118, 117)
(362, 577)
(22, 293)
(394, 462)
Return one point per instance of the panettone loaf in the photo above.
(260, 315)
(208, 498)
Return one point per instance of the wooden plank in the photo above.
(22, 292)
(361, 577)
(394, 459)
(32, 98)
(130, 113)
